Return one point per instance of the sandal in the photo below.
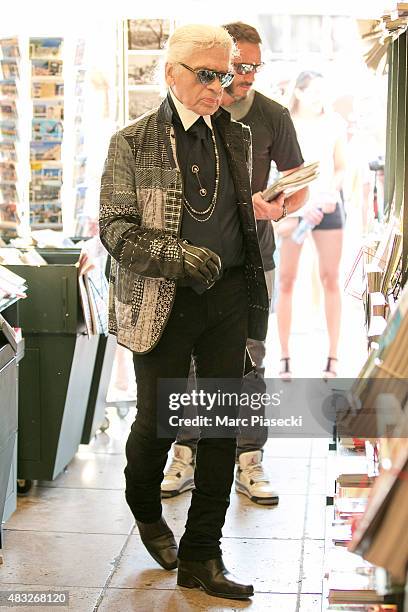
(328, 372)
(285, 374)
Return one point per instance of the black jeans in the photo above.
(213, 328)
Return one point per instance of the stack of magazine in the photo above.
(11, 334)
(11, 285)
(93, 287)
(381, 536)
(293, 181)
(93, 291)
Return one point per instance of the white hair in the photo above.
(189, 38)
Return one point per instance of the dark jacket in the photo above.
(140, 216)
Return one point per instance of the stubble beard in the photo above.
(236, 97)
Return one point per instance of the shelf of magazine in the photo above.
(370, 505)
(351, 582)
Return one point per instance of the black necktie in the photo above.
(199, 176)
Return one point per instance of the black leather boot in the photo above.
(159, 542)
(213, 577)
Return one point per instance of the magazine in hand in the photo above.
(293, 181)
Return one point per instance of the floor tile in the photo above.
(320, 447)
(272, 565)
(190, 600)
(138, 570)
(288, 474)
(58, 559)
(310, 603)
(72, 510)
(315, 517)
(90, 470)
(318, 479)
(245, 518)
(288, 447)
(312, 575)
(249, 520)
(80, 600)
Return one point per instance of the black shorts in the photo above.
(334, 220)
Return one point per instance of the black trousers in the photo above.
(213, 328)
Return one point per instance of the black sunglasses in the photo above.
(207, 76)
(247, 68)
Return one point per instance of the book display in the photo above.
(367, 523)
(366, 553)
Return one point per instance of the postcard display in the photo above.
(143, 43)
(10, 193)
(47, 92)
(367, 526)
(82, 221)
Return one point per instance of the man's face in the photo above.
(250, 53)
(202, 99)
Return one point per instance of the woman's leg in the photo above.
(288, 266)
(329, 246)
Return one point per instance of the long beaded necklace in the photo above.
(208, 211)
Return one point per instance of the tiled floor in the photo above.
(77, 534)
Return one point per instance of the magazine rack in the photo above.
(55, 377)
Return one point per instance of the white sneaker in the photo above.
(251, 480)
(179, 476)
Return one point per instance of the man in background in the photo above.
(274, 141)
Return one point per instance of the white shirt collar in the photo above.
(187, 116)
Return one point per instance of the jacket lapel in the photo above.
(232, 135)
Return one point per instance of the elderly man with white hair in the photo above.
(186, 282)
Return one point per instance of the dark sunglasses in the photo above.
(207, 76)
(247, 68)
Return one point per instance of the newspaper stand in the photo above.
(56, 374)
(8, 415)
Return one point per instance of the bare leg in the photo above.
(329, 245)
(289, 260)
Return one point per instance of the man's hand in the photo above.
(202, 264)
(267, 211)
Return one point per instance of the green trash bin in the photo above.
(56, 373)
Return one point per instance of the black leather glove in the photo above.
(200, 263)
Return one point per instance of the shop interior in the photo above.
(337, 539)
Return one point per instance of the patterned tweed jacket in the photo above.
(140, 217)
